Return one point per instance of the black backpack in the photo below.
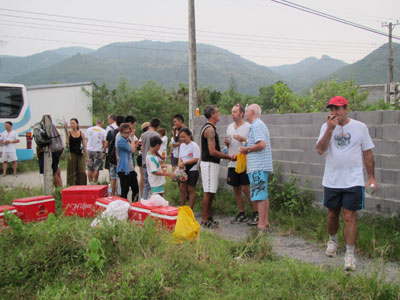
(40, 135)
(112, 158)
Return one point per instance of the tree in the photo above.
(323, 91)
(266, 94)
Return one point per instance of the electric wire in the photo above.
(333, 18)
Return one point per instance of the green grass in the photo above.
(378, 236)
(54, 260)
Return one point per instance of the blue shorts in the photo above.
(350, 198)
(258, 185)
(113, 171)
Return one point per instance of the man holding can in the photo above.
(347, 144)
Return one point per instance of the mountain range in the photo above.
(167, 64)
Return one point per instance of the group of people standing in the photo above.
(346, 143)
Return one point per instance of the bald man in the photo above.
(259, 164)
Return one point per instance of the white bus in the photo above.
(14, 107)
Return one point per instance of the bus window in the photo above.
(11, 102)
(14, 107)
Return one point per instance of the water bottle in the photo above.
(109, 190)
(225, 150)
(370, 189)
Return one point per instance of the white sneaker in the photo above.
(349, 262)
(331, 250)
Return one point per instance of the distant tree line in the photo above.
(152, 100)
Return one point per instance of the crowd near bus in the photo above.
(123, 151)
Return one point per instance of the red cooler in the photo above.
(138, 212)
(167, 215)
(35, 208)
(102, 203)
(10, 208)
(80, 199)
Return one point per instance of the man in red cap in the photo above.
(347, 143)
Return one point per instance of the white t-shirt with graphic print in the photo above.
(344, 157)
(153, 165)
(188, 152)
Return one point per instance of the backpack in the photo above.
(56, 144)
(40, 136)
(112, 158)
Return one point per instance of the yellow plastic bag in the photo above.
(241, 163)
(186, 228)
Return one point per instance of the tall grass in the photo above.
(51, 260)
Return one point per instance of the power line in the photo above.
(144, 48)
(183, 30)
(119, 34)
(333, 18)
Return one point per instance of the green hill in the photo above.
(165, 63)
(371, 69)
(308, 70)
(12, 66)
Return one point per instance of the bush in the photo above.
(288, 197)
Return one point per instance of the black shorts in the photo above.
(174, 161)
(55, 157)
(236, 179)
(350, 198)
(139, 160)
(193, 177)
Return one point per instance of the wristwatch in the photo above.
(248, 150)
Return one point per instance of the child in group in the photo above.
(155, 170)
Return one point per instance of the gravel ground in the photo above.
(297, 248)
(283, 245)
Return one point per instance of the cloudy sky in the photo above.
(262, 31)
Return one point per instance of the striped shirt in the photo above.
(259, 160)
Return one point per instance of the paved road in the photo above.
(34, 179)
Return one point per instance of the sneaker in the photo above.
(210, 225)
(254, 220)
(331, 250)
(214, 224)
(206, 224)
(240, 218)
(349, 262)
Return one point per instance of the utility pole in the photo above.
(390, 57)
(48, 173)
(192, 65)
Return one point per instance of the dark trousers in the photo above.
(129, 181)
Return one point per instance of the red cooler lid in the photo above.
(8, 207)
(85, 188)
(166, 210)
(140, 205)
(110, 199)
(33, 200)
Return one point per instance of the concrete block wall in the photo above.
(293, 140)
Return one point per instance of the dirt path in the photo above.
(300, 249)
(284, 245)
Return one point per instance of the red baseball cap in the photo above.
(338, 101)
